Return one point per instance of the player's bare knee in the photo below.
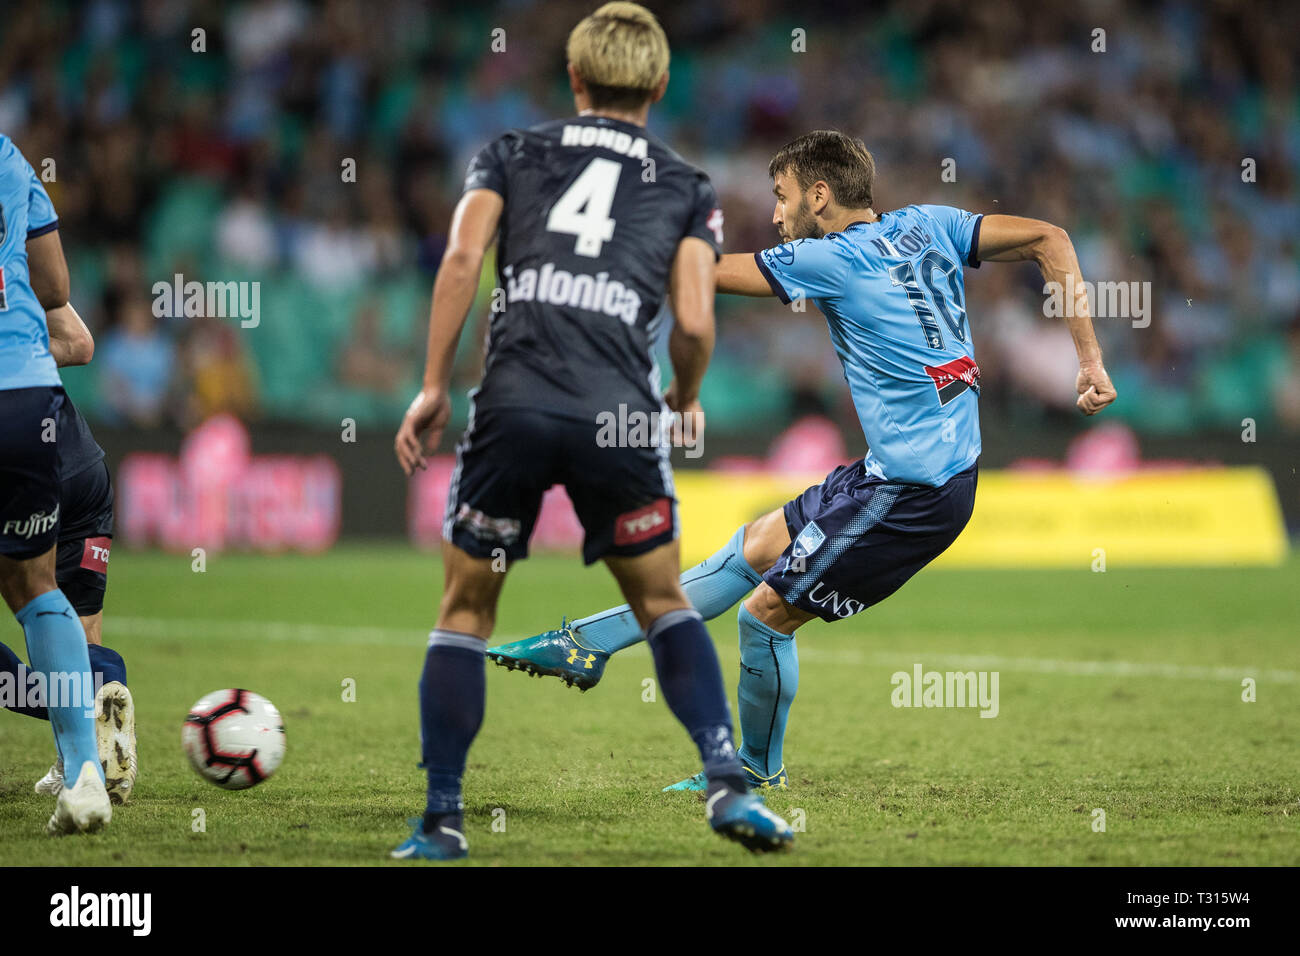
(768, 608)
(765, 539)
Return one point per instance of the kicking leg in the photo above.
(577, 652)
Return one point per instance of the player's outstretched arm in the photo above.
(690, 344)
(738, 274)
(1013, 239)
(473, 227)
(70, 341)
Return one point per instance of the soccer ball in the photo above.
(234, 738)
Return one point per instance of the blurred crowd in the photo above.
(317, 148)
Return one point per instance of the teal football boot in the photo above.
(553, 654)
(755, 780)
(444, 844)
(745, 818)
(698, 783)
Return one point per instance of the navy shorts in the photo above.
(855, 539)
(85, 537)
(29, 471)
(510, 457)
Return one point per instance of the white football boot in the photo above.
(50, 784)
(115, 735)
(82, 808)
(115, 740)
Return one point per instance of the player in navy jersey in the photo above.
(594, 220)
(891, 287)
(34, 281)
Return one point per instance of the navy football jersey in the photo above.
(594, 211)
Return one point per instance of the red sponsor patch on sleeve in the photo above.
(94, 557)
(652, 520)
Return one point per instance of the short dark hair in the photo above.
(617, 97)
(842, 162)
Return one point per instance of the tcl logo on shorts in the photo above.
(94, 557)
(633, 527)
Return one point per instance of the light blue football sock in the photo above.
(769, 677)
(712, 586)
(56, 645)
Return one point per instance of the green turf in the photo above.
(1154, 731)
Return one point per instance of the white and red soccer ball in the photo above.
(234, 738)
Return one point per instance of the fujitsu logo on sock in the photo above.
(131, 910)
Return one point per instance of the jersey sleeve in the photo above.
(962, 229)
(805, 268)
(487, 170)
(41, 217)
(706, 215)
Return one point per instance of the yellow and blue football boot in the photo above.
(755, 780)
(553, 654)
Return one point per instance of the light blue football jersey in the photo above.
(25, 212)
(894, 298)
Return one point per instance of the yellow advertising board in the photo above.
(1186, 517)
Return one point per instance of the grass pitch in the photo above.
(1119, 691)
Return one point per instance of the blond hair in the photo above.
(621, 53)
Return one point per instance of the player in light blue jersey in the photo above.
(892, 289)
(34, 280)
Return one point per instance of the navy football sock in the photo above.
(691, 679)
(17, 685)
(712, 586)
(769, 677)
(107, 665)
(452, 697)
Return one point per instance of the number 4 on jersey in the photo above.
(583, 210)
